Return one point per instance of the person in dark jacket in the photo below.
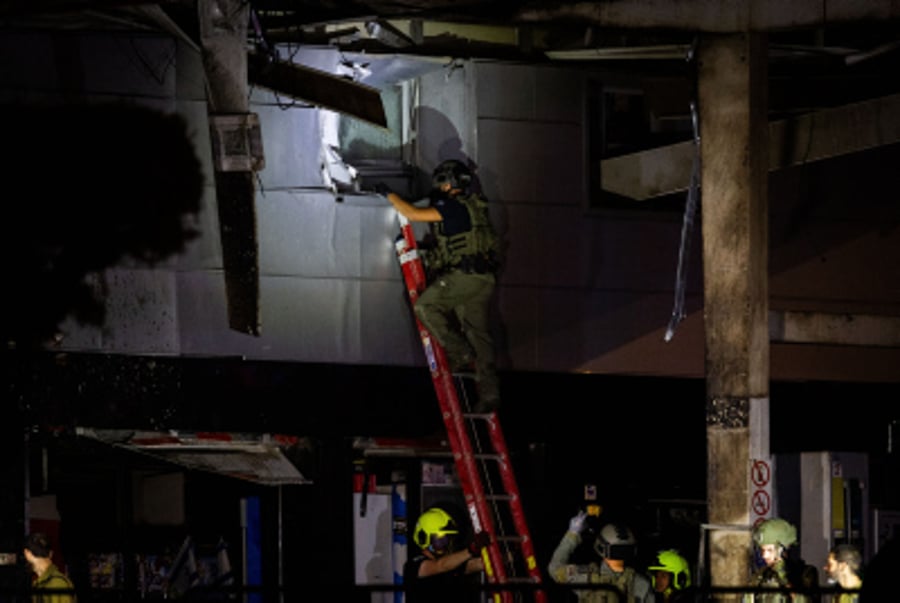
(455, 306)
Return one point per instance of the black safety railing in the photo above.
(354, 593)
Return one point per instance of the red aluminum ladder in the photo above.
(480, 454)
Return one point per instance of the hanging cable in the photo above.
(261, 43)
(687, 226)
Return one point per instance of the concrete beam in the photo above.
(803, 139)
(834, 329)
(713, 16)
(223, 36)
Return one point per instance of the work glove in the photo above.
(576, 524)
(481, 540)
(382, 189)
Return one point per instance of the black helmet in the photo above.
(453, 171)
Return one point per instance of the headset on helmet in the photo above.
(616, 541)
(453, 171)
(435, 530)
(670, 561)
(775, 531)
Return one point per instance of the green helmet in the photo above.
(435, 530)
(775, 531)
(670, 561)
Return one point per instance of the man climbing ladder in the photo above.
(479, 449)
(462, 265)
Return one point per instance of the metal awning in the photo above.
(256, 458)
(430, 447)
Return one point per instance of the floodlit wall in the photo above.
(581, 290)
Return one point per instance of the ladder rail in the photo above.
(510, 485)
(466, 460)
(473, 491)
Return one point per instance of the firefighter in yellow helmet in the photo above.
(441, 566)
(670, 575)
(773, 539)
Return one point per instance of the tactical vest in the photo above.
(782, 576)
(624, 582)
(476, 250)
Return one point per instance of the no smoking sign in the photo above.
(760, 473)
(761, 490)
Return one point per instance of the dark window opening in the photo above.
(622, 121)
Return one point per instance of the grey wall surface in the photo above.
(581, 291)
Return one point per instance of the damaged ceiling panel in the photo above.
(258, 459)
(318, 88)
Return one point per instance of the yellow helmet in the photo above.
(670, 561)
(435, 530)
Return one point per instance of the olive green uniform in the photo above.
(53, 579)
(635, 586)
(455, 307)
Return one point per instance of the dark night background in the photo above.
(641, 440)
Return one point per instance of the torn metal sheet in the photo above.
(258, 459)
(390, 70)
(336, 173)
(236, 201)
(318, 87)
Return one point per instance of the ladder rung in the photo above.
(478, 415)
(448, 387)
(488, 457)
(521, 580)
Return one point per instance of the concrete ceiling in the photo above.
(823, 53)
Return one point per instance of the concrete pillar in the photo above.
(223, 35)
(732, 91)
